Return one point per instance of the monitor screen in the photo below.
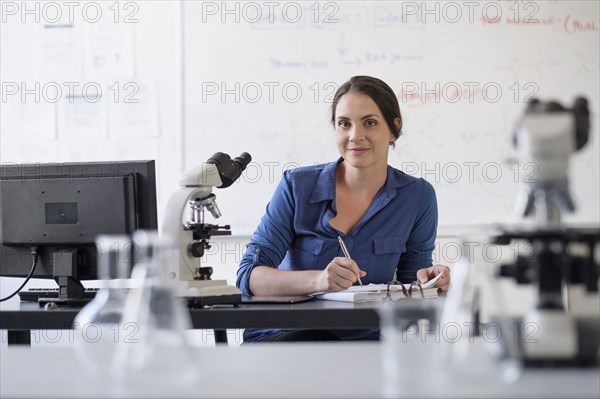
(61, 207)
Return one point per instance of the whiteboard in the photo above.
(260, 78)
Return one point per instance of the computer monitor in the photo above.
(58, 209)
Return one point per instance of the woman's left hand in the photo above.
(424, 275)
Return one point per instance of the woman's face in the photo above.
(361, 132)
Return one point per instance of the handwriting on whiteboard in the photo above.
(572, 25)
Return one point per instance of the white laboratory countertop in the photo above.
(320, 370)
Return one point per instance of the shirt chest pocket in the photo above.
(389, 245)
(385, 258)
(306, 253)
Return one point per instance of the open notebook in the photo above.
(379, 292)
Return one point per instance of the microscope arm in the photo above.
(204, 175)
(180, 265)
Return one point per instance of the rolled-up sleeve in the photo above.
(273, 236)
(421, 241)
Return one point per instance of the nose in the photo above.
(357, 133)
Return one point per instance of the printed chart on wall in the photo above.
(259, 77)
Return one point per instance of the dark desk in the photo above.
(20, 318)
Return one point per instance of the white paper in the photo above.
(133, 110)
(29, 120)
(81, 118)
(109, 51)
(60, 55)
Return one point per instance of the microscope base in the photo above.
(199, 302)
(200, 294)
(513, 344)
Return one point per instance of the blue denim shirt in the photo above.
(395, 237)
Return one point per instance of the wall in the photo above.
(260, 79)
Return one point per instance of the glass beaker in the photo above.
(409, 347)
(98, 324)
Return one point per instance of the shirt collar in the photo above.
(325, 186)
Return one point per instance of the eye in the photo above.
(370, 123)
(343, 123)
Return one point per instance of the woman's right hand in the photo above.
(340, 273)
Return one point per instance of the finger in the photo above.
(437, 269)
(444, 282)
(345, 274)
(349, 264)
(438, 272)
(444, 271)
(336, 269)
(423, 275)
(443, 287)
(340, 285)
(345, 262)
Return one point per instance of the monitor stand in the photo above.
(70, 290)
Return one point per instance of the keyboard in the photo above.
(33, 294)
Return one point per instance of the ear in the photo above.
(398, 124)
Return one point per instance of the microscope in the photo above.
(564, 327)
(186, 235)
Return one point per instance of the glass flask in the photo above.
(98, 324)
(157, 351)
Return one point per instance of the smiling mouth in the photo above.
(357, 149)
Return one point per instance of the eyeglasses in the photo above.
(414, 287)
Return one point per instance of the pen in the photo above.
(347, 254)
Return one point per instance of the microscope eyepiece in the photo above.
(229, 169)
(244, 159)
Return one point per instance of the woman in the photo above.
(387, 219)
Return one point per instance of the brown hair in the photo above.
(380, 93)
